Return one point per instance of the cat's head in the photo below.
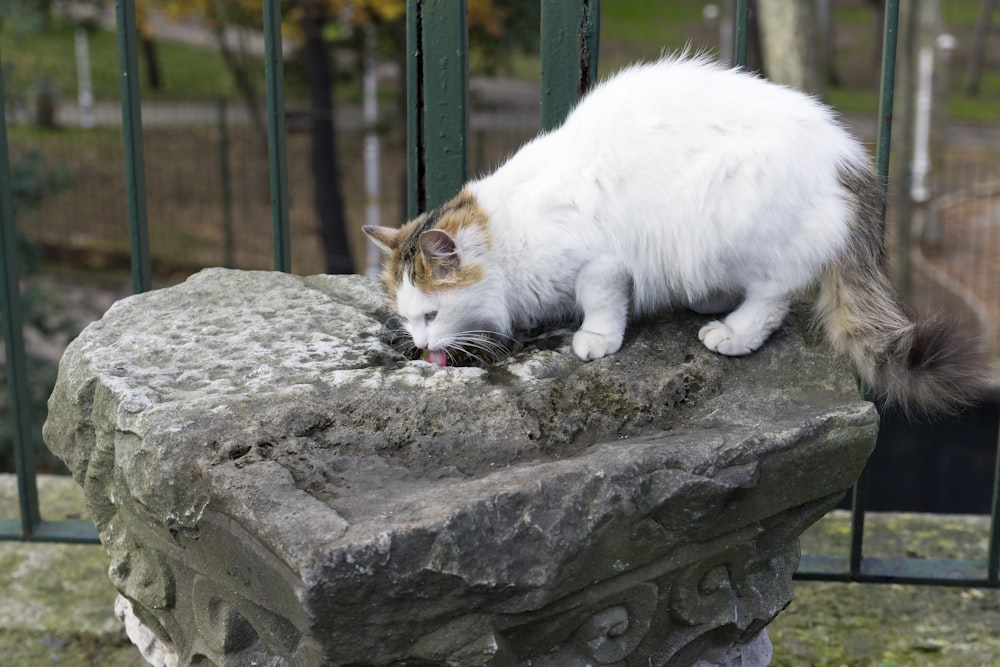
(437, 271)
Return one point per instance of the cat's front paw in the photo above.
(719, 337)
(591, 345)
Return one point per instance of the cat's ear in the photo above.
(386, 238)
(438, 248)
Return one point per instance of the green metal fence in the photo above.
(437, 162)
(30, 526)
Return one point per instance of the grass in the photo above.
(830, 624)
(28, 55)
(853, 101)
(649, 25)
(636, 29)
(959, 12)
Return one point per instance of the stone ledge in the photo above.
(275, 484)
(827, 625)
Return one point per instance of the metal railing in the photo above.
(437, 131)
(30, 526)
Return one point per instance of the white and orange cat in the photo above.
(676, 183)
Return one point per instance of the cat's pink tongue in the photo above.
(437, 357)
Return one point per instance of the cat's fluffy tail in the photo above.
(923, 366)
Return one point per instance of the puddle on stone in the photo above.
(488, 352)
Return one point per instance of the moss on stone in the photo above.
(34, 649)
(57, 605)
(875, 625)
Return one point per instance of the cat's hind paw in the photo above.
(590, 345)
(720, 337)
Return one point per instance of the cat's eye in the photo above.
(430, 317)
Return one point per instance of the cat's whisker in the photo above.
(492, 339)
(398, 338)
(459, 353)
(483, 347)
(468, 354)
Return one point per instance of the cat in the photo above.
(677, 183)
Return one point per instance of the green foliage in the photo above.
(492, 51)
(31, 180)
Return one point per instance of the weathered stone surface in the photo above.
(274, 484)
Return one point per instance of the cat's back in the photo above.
(691, 84)
(664, 159)
(693, 101)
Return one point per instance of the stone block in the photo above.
(276, 485)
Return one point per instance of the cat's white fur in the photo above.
(683, 183)
(680, 181)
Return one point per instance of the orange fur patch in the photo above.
(459, 213)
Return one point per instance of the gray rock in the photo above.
(275, 484)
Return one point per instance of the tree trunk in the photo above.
(326, 176)
(789, 43)
(879, 6)
(827, 34)
(151, 56)
(978, 52)
(903, 117)
(236, 62)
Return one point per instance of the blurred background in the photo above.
(202, 83)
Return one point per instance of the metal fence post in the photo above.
(225, 181)
(30, 526)
(13, 336)
(437, 98)
(569, 43)
(859, 496)
(416, 197)
(135, 171)
(276, 138)
(742, 41)
(993, 553)
(885, 101)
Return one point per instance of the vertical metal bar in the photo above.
(890, 31)
(742, 33)
(226, 190)
(993, 557)
(904, 118)
(859, 501)
(590, 44)
(569, 49)
(416, 199)
(135, 170)
(276, 148)
(13, 336)
(444, 82)
(888, 77)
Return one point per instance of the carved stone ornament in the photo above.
(276, 485)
